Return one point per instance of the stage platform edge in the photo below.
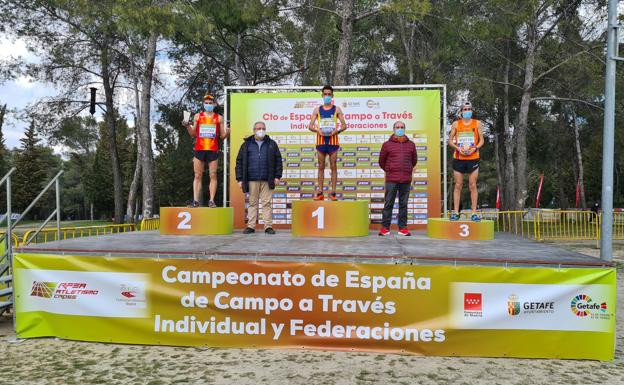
(443, 228)
(196, 220)
(335, 219)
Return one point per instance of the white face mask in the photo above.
(260, 134)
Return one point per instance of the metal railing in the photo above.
(56, 212)
(150, 224)
(7, 240)
(52, 234)
(554, 225)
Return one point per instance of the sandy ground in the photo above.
(53, 361)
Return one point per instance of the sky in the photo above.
(17, 94)
(21, 92)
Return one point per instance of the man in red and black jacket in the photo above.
(397, 158)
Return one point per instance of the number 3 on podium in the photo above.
(184, 223)
(465, 230)
(320, 217)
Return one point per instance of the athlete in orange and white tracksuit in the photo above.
(466, 138)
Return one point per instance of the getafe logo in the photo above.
(583, 306)
(473, 305)
(513, 305)
(63, 290)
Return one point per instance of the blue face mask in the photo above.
(399, 132)
(327, 99)
(209, 107)
(467, 114)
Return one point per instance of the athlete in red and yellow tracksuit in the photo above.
(207, 130)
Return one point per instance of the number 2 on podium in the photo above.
(184, 223)
(320, 217)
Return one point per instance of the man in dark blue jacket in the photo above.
(258, 170)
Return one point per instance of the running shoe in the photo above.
(212, 205)
(319, 196)
(383, 232)
(269, 230)
(248, 230)
(192, 204)
(454, 217)
(475, 218)
(333, 196)
(405, 232)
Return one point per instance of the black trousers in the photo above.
(392, 189)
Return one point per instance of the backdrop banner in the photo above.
(370, 116)
(427, 310)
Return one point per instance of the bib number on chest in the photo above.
(327, 126)
(208, 131)
(465, 139)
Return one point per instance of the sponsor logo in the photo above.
(372, 103)
(346, 103)
(363, 183)
(513, 306)
(583, 306)
(306, 104)
(132, 294)
(62, 290)
(473, 305)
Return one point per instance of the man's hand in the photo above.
(186, 124)
(276, 181)
(240, 184)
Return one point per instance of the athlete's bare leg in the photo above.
(321, 171)
(459, 181)
(472, 184)
(334, 170)
(212, 170)
(198, 169)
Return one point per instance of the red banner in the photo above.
(539, 191)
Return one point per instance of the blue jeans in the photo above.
(392, 189)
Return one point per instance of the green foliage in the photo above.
(35, 165)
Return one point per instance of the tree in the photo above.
(78, 43)
(32, 169)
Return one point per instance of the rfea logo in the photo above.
(63, 290)
(43, 289)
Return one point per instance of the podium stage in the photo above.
(417, 249)
(391, 294)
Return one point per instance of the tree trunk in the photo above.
(579, 158)
(238, 64)
(523, 119)
(145, 134)
(407, 43)
(509, 187)
(132, 194)
(112, 135)
(343, 58)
